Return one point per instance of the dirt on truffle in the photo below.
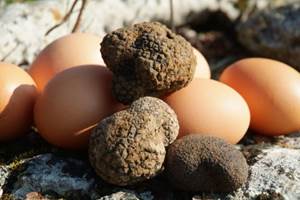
(147, 59)
(207, 164)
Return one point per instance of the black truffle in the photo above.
(129, 146)
(205, 164)
(166, 117)
(147, 59)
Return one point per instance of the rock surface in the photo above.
(51, 174)
(275, 174)
(273, 33)
(3, 176)
(127, 194)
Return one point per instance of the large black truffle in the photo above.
(129, 146)
(205, 164)
(147, 59)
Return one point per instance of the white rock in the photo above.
(277, 170)
(4, 173)
(63, 176)
(127, 194)
(23, 26)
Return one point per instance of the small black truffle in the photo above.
(147, 59)
(205, 164)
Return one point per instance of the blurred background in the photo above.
(223, 30)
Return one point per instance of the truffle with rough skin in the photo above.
(165, 116)
(147, 59)
(205, 164)
(129, 146)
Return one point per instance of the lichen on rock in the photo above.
(276, 172)
(127, 194)
(48, 173)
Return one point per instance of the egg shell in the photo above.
(17, 97)
(73, 102)
(209, 107)
(65, 52)
(202, 67)
(272, 91)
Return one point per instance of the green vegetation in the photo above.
(6, 196)
(15, 1)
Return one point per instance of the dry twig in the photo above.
(67, 16)
(9, 53)
(172, 15)
(78, 20)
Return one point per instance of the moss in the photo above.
(15, 166)
(7, 196)
(18, 1)
(20, 159)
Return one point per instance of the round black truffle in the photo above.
(147, 59)
(205, 164)
(129, 146)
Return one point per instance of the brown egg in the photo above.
(209, 107)
(202, 67)
(72, 103)
(272, 91)
(66, 52)
(17, 97)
